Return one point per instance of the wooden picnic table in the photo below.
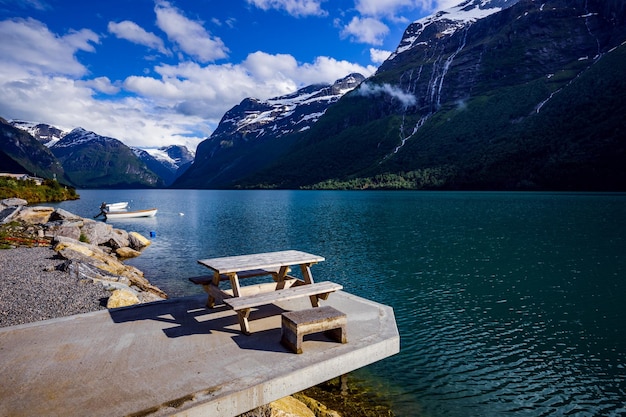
(274, 264)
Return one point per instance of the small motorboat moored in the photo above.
(112, 215)
(116, 206)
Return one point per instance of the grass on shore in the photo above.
(49, 190)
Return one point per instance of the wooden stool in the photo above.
(296, 324)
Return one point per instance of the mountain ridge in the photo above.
(256, 132)
(476, 91)
(165, 166)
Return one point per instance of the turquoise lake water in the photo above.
(506, 303)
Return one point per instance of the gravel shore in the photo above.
(32, 289)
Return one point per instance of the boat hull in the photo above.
(112, 215)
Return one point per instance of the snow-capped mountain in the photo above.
(44, 133)
(489, 94)
(447, 22)
(280, 116)
(21, 153)
(174, 156)
(93, 161)
(255, 122)
(168, 162)
(79, 136)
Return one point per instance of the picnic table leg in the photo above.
(308, 278)
(216, 282)
(280, 277)
(243, 315)
(234, 283)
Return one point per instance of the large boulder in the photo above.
(65, 216)
(118, 239)
(55, 230)
(14, 202)
(290, 407)
(7, 214)
(34, 215)
(75, 250)
(137, 241)
(82, 270)
(97, 233)
(122, 298)
(88, 253)
(126, 253)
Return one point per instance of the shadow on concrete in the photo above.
(269, 341)
(188, 318)
(183, 316)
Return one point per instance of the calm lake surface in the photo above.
(507, 303)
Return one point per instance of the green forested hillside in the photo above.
(525, 105)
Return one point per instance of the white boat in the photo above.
(130, 214)
(117, 206)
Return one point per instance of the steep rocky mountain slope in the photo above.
(91, 160)
(21, 153)
(168, 162)
(44, 133)
(94, 161)
(500, 94)
(255, 133)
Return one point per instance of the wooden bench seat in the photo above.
(315, 291)
(214, 293)
(297, 324)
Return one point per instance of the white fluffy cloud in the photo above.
(42, 79)
(383, 7)
(295, 8)
(181, 103)
(366, 30)
(209, 91)
(134, 33)
(190, 36)
(367, 89)
(379, 56)
(393, 8)
(28, 46)
(100, 84)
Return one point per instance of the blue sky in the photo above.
(155, 72)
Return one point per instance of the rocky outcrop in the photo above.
(93, 251)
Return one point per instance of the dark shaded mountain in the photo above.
(500, 94)
(94, 161)
(21, 153)
(168, 162)
(8, 165)
(255, 133)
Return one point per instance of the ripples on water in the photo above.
(507, 304)
(514, 313)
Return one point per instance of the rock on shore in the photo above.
(54, 251)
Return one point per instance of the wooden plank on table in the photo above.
(268, 260)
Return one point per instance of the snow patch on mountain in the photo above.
(160, 155)
(44, 133)
(80, 136)
(283, 115)
(450, 21)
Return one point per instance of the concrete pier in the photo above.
(177, 357)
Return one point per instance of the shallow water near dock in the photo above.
(506, 303)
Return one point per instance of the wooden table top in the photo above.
(230, 264)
